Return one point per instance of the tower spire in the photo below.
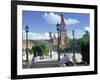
(62, 20)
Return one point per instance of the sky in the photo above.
(41, 23)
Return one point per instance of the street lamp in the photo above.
(58, 30)
(50, 44)
(27, 30)
(73, 33)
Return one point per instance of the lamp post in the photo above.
(73, 33)
(50, 45)
(27, 30)
(58, 30)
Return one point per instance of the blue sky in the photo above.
(41, 23)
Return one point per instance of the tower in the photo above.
(63, 33)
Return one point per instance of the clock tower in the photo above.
(63, 33)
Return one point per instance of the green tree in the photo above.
(40, 49)
(37, 50)
(80, 45)
(45, 49)
(85, 47)
(77, 43)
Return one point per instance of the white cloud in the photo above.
(37, 36)
(87, 28)
(53, 18)
(72, 21)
